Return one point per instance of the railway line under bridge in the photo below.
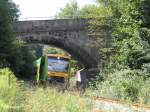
(72, 35)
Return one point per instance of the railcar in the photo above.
(53, 67)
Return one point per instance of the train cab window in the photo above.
(57, 64)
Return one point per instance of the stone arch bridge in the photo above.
(69, 34)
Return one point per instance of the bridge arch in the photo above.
(67, 34)
(77, 51)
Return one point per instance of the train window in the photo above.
(55, 64)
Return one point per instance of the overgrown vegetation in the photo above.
(8, 14)
(11, 98)
(126, 73)
(15, 97)
(48, 100)
(125, 84)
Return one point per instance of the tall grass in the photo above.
(129, 85)
(15, 98)
(9, 93)
(48, 100)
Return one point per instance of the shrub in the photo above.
(130, 85)
(144, 94)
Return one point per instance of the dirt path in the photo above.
(101, 104)
(118, 106)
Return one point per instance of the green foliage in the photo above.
(53, 50)
(71, 10)
(130, 30)
(23, 58)
(93, 11)
(144, 13)
(130, 26)
(48, 100)
(146, 68)
(145, 18)
(137, 58)
(15, 97)
(144, 96)
(129, 23)
(145, 35)
(10, 96)
(126, 30)
(126, 84)
(8, 14)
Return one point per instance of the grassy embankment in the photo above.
(127, 85)
(18, 98)
(132, 86)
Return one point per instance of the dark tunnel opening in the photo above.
(76, 52)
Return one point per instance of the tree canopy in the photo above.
(69, 11)
(8, 14)
(130, 31)
(129, 23)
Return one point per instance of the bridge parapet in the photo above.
(49, 25)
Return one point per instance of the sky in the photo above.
(43, 8)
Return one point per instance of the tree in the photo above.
(71, 10)
(130, 27)
(131, 40)
(8, 14)
(25, 55)
(97, 16)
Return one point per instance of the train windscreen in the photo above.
(57, 64)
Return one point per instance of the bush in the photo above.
(144, 94)
(130, 85)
